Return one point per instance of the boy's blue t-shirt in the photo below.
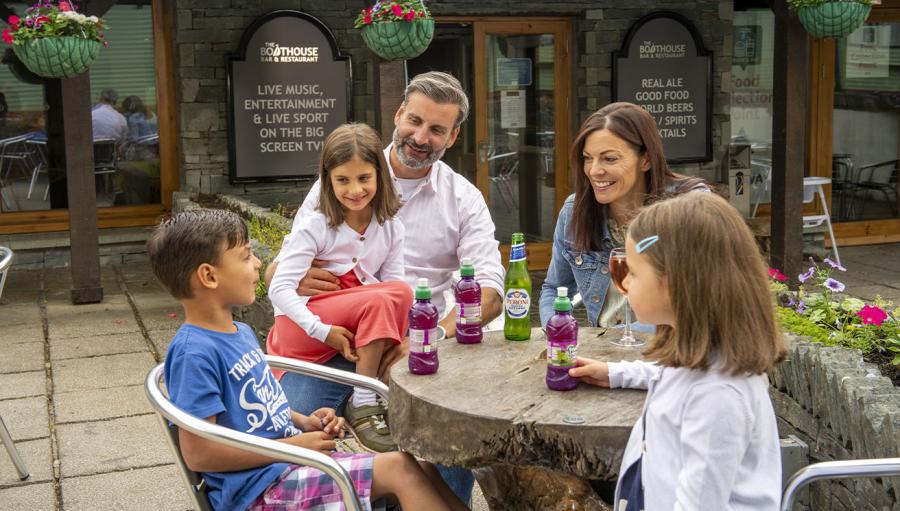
(213, 373)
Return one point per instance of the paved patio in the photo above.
(71, 385)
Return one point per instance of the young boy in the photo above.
(215, 370)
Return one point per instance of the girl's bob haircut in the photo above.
(716, 277)
(348, 141)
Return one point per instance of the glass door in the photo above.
(522, 124)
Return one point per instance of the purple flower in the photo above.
(801, 307)
(29, 22)
(806, 276)
(834, 285)
(835, 265)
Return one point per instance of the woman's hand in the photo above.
(341, 339)
(324, 419)
(591, 371)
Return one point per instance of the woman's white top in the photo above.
(374, 256)
(712, 440)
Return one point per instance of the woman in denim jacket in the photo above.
(623, 168)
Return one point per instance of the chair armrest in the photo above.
(247, 442)
(837, 470)
(328, 373)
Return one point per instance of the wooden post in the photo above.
(80, 184)
(790, 104)
(391, 82)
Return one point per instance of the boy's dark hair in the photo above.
(182, 242)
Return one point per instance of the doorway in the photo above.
(514, 145)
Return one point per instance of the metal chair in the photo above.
(106, 158)
(6, 258)
(837, 470)
(879, 180)
(197, 487)
(812, 187)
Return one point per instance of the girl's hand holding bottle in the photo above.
(341, 339)
(591, 371)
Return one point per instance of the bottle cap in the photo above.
(423, 292)
(562, 303)
(467, 270)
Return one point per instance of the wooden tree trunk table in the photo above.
(488, 408)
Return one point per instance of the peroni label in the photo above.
(517, 252)
(517, 303)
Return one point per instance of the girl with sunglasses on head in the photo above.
(707, 436)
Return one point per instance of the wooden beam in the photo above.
(80, 184)
(790, 103)
(391, 82)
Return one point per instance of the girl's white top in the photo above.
(712, 440)
(374, 256)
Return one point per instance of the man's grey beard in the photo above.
(412, 163)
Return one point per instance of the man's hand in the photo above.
(316, 281)
(390, 357)
(315, 440)
(341, 339)
(591, 371)
(324, 419)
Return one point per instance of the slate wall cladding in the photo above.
(843, 408)
(205, 30)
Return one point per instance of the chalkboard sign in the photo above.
(664, 68)
(288, 88)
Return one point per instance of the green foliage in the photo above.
(270, 236)
(800, 4)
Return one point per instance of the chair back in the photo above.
(106, 154)
(6, 259)
(843, 469)
(197, 488)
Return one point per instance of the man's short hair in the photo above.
(109, 96)
(182, 242)
(442, 88)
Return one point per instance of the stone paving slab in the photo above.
(111, 371)
(869, 292)
(20, 313)
(28, 384)
(34, 496)
(88, 405)
(161, 339)
(116, 444)
(115, 321)
(159, 311)
(156, 488)
(19, 357)
(80, 347)
(20, 334)
(38, 461)
(26, 418)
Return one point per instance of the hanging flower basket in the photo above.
(833, 19)
(53, 40)
(399, 40)
(396, 29)
(58, 57)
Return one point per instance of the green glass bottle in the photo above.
(517, 293)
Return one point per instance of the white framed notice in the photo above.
(512, 109)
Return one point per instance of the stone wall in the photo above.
(842, 408)
(208, 29)
(53, 249)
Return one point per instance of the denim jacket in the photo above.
(583, 272)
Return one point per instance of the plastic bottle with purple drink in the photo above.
(423, 332)
(562, 343)
(468, 298)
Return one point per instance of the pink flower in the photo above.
(872, 315)
(367, 19)
(13, 20)
(64, 6)
(777, 275)
(397, 10)
(7, 36)
(422, 14)
(410, 16)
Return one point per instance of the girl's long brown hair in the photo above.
(716, 276)
(348, 141)
(634, 125)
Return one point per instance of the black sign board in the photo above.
(664, 68)
(288, 88)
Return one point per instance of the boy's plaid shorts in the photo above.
(310, 489)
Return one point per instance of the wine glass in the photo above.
(618, 269)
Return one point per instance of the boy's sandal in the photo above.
(368, 426)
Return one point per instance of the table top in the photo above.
(488, 403)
